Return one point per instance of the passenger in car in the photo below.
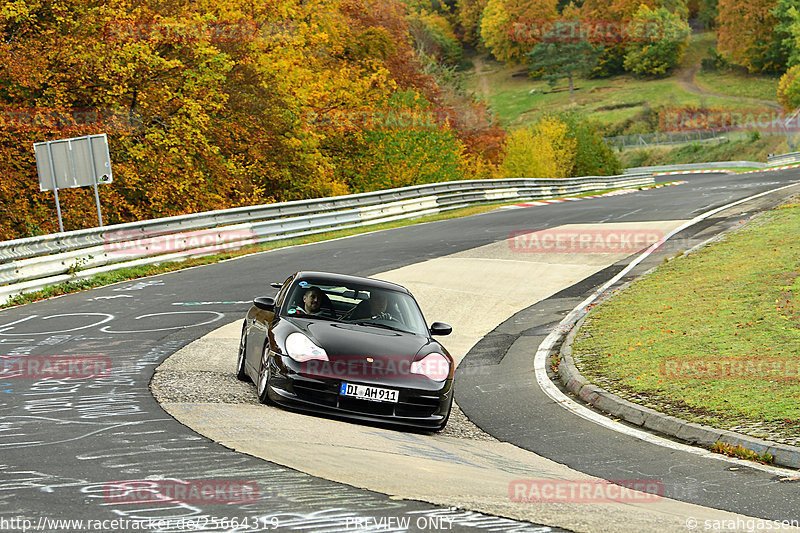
(374, 307)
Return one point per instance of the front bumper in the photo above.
(416, 406)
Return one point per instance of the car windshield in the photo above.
(365, 305)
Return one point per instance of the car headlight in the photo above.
(434, 366)
(301, 349)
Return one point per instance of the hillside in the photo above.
(625, 104)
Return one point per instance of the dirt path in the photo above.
(480, 72)
(686, 80)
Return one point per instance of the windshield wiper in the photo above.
(376, 325)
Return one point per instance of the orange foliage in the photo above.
(215, 100)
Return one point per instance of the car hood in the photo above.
(340, 339)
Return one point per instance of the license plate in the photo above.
(365, 392)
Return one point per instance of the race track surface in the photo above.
(67, 444)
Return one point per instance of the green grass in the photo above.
(740, 170)
(697, 50)
(731, 82)
(618, 99)
(735, 302)
(607, 101)
(738, 84)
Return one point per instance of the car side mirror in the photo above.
(276, 285)
(266, 304)
(440, 328)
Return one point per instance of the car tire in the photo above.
(262, 385)
(241, 374)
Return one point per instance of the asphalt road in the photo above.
(66, 445)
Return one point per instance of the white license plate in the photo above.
(365, 392)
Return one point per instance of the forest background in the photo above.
(218, 104)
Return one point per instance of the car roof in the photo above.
(345, 280)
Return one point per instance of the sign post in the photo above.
(74, 162)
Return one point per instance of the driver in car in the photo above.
(312, 303)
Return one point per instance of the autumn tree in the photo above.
(745, 34)
(434, 36)
(622, 14)
(542, 151)
(789, 89)
(511, 28)
(227, 103)
(468, 17)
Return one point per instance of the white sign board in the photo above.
(75, 162)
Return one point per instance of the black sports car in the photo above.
(348, 346)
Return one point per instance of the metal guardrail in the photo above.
(694, 166)
(36, 262)
(784, 159)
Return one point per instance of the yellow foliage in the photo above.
(544, 151)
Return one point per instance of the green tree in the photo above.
(593, 156)
(556, 59)
(786, 37)
(654, 54)
(707, 12)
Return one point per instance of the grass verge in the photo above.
(128, 273)
(743, 150)
(711, 337)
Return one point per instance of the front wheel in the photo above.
(262, 387)
(241, 375)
